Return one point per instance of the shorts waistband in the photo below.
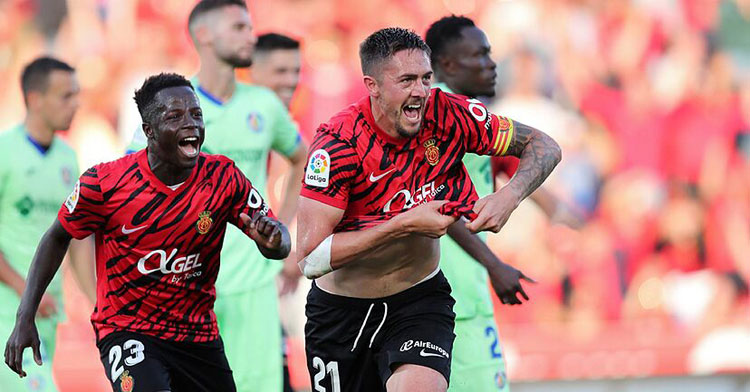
(415, 292)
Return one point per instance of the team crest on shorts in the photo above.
(126, 382)
(204, 222)
(431, 152)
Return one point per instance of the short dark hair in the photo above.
(444, 31)
(384, 43)
(144, 96)
(274, 41)
(35, 76)
(205, 6)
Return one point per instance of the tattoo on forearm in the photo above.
(539, 154)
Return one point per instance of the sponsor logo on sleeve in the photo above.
(318, 169)
(428, 349)
(72, 200)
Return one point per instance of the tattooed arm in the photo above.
(539, 155)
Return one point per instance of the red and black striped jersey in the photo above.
(357, 167)
(157, 249)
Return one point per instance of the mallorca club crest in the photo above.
(204, 222)
(431, 152)
(126, 382)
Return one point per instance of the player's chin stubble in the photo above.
(239, 62)
(403, 132)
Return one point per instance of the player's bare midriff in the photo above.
(385, 270)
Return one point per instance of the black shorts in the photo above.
(137, 362)
(355, 344)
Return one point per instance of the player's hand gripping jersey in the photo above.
(158, 248)
(357, 167)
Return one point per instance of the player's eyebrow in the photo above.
(413, 76)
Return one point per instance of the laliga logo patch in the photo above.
(72, 200)
(318, 169)
(126, 382)
(431, 152)
(204, 222)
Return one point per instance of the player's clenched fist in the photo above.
(427, 220)
(271, 235)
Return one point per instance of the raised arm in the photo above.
(322, 252)
(539, 154)
(47, 260)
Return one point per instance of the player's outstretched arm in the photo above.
(322, 252)
(270, 235)
(47, 259)
(539, 154)
(505, 280)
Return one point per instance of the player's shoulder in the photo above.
(116, 166)
(348, 124)
(11, 135)
(215, 159)
(440, 97)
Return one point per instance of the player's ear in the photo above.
(447, 65)
(32, 99)
(202, 34)
(148, 130)
(372, 86)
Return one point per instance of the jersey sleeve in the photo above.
(244, 198)
(286, 137)
(83, 213)
(482, 132)
(331, 167)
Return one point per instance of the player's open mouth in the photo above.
(190, 146)
(413, 112)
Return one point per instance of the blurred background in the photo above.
(650, 100)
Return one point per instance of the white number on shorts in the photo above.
(115, 355)
(136, 352)
(332, 368)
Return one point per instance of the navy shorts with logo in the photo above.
(137, 362)
(355, 344)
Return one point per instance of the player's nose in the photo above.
(420, 90)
